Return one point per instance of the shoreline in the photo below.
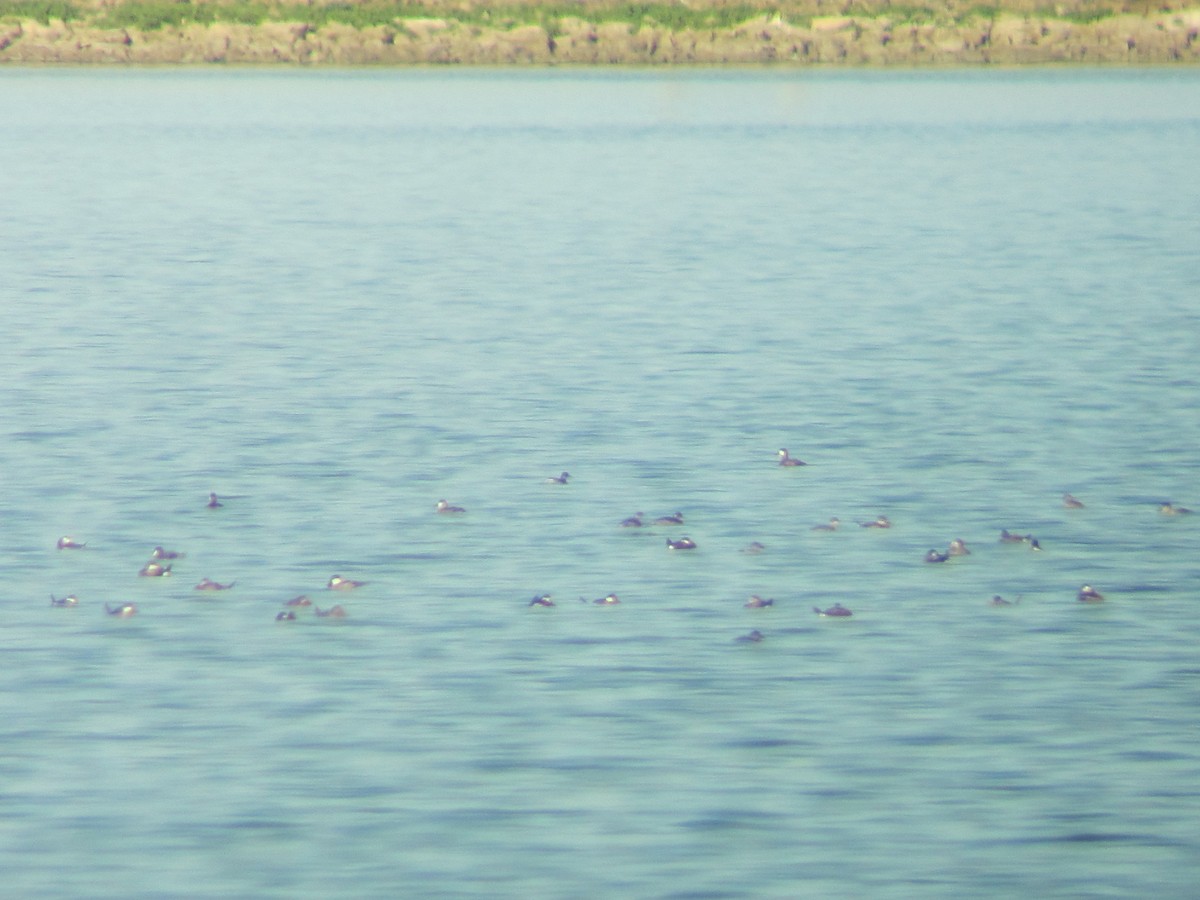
(876, 41)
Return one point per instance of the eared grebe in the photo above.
(787, 460)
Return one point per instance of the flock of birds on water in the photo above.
(161, 560)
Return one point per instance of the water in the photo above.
(334, 298)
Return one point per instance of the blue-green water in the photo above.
(335, 299)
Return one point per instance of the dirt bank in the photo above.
(1170, 37)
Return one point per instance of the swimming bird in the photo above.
(835, 611)
(1034, 544)
(559, 479)
(443, 506)
(302, 600)
(934, 556)
(1071, 502)
(154, 570)
(121, 610)
(754, 637)
(634, 521)
(609, 600)
(213, 502)
(338, 583)
(541, 600)
(1088, 594)
(286, 616)
(1008, 537)
(684, 543)
(335, 612)
(997, 600)
(958, 548)
(207, 584)
(757, 602)
(832, 525)
(160, 553)
(69, 543)
(787, 460)
(1170, 509)
(877, 522)
(69, 600)
(753, 548)
(676, 519)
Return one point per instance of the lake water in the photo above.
(335, 298)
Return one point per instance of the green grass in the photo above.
(671, 16)
(152, 16)
(149, 15)
(43, 11)
(1085, 15)
(356, 15)
(976, 13)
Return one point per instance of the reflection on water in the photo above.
(335, 300)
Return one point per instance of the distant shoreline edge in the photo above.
(1171, 37)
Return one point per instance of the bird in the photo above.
(831, 525)
(684, 543)
(207, 584)
(1170, 509)
(121, 610)
(69, 600)
(286, 616)
(958, 547)
(444, 506)
(877, 522)
(160, 553)
(334, 612)
(541, 600)
(1088, 594)
(301, 600)
(935, 556)
(1071, 502)
(69, 543)
(674, 519)
(154, 570)
(757, 602)
(786, 460)
(559, 479)
(608, 600)
(634, 521)
(338, 583)
(754, 637)
(835, 611)
(213, 502)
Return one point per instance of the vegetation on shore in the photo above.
(609, 31)
(148, 15)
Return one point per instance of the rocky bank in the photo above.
(1164, 38)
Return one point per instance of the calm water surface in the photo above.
(334, 298)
